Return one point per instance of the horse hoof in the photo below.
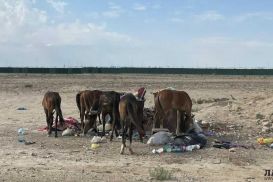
(131, 150)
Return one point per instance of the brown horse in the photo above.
(108, 104)
(168, 100)
(87, 101)
(129, 108)
(51, 102)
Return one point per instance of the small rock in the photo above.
(33, 154)
(265, 129)
(268, 124)
(232, 150)
(23, 152)
(217, 161)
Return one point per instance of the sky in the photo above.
(137, 33)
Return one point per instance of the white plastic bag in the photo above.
(160, 138)
(68, 132)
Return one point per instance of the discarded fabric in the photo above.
(228, 145)
(69, 122)
(191, 139)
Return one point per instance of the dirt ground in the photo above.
(229, 102)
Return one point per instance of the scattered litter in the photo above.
(94, 146)
(190, 139)
(98, 139)
(29, 142)
(228, 145)
(265, 140)
(21, 133)
(160, 138)
(21, 108)
(108, 127)
(271, 146)
(69, 122)
(176, 148)
(91, 132)
(265, 129)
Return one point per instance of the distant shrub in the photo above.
(259, 116)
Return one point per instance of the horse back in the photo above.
(174, 99)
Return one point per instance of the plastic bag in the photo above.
(160, 138)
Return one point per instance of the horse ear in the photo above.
(154, 93)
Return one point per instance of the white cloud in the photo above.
(59, 6)
(29, 39)
(176, 20)
(114, 11)
(254, 15)
(209, 16)
(229, 52)
(139, 7)
(111, 14)
(114, 6)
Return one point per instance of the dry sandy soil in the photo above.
(71, 159)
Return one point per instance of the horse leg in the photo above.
(125, 128)
(178, 123)
(47, 120)
(56, 122)
(114, 118)
(113, 127)
(82, 115)
(130, 138)
(50, 122)
(103, 123)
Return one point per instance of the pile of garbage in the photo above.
(182, 143)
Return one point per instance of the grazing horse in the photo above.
(87, 101)
(129, 119)
(108, 104)
(51, 102)
(168, 100)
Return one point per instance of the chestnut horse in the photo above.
(129, 107)
(168, 100)
(87, 101)
(51, 102)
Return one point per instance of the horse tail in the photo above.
(78, 101)
(59, 112)
(116, 111)
(132, 111)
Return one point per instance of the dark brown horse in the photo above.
(108, 104)
(168, 100)
(87, 101)
(129, 107)
(51, 102)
